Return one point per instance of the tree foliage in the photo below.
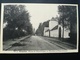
(68, 15)
(18, 21)
(68, 19)
(40, 30)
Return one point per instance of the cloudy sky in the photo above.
(41, 12)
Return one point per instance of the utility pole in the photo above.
(49, 32)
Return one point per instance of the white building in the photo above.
(46, 31)
(54, 29)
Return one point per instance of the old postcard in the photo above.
(39, 28)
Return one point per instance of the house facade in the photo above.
(53, 27)
(55, 30)
(46, 31)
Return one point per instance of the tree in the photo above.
(18, 21)
(40, 30)
(68, 18)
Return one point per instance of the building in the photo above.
(46, 31)
(55, 30)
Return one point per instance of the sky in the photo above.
(41, 12)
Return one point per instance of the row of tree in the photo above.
(40, 30)
(68, 19)
(16, 22)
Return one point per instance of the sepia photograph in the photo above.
(39, 28)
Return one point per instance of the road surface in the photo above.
(39, 43)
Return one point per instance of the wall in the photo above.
(46, 33)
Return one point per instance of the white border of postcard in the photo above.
(37, 51)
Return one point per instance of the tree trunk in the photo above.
(63, 29)
(59, 32)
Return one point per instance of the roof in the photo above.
(47, 30)
(54, 28)
(46, 23)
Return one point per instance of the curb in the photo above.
(19, 40)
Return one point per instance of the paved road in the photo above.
(38, 43)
